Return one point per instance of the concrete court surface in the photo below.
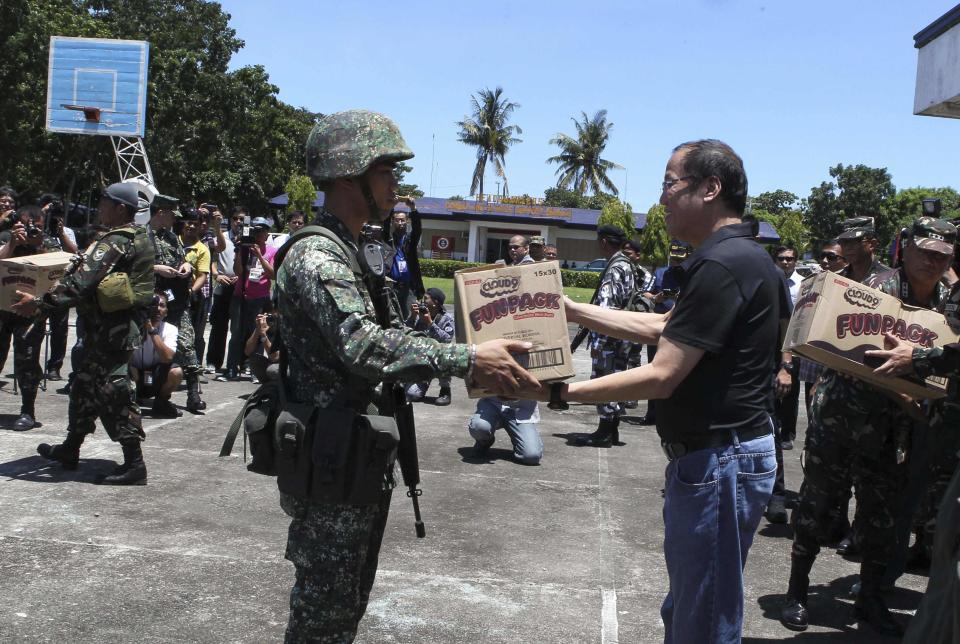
(569, 551)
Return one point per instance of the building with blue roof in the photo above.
(479, 231)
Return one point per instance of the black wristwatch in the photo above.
(154, 332)
(787, 366)
(557, 403)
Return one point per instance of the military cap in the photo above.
(166, 202)
(125, 193)
(437, 295)
(538, 240)
(938, 235)
(857, 228)
(260, 222)
(679, 249)
(346, 144)
(611, 232)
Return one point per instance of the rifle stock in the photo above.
(578, 339)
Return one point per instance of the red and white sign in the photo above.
(440, 244)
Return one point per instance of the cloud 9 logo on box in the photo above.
(861, 298)
(498, 286)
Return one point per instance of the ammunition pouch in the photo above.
(115, 293)
(334, 455)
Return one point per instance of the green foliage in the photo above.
(907, 205)
(775, 202)
(581, 279)
(443, 267)
(859, 191)
(654, 240)
(456, 198)
(489, 133)
(301, 193)
(563, 198)
(407, 189)
(620, 214)
(793, 231)
(520, 200)
(211, 133)
(581, 167)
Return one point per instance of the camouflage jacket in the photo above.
(875, 269)
(617, 285)
(169, 251)
(126, 249)
(337, 353)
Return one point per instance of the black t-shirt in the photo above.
(731, 303)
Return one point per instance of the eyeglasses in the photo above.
(831, 257)
(669, 183)
(786, 258)
(515, 247)
(238, 219)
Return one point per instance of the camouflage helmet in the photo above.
(346, 144)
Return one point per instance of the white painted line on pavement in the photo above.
(609, 625)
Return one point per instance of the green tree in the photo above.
(211, 133)
(581, 167)
(823, 212)
(408, 189)
(620, 214)
(774, 202)
(654, 240)
(489, 132)
(793, 231)
(301, 194)
(859, 191)
(563, 198)
(907, 204)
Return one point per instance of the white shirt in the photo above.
(793, 281)
(146, 355)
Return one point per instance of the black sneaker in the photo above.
(164, 409)
(443, 399)
(54, 375)
(24, 423)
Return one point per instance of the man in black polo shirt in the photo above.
(711, 379)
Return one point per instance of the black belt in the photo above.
(706, 441)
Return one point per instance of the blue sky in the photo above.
(794, 87)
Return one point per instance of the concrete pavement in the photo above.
(568, 551)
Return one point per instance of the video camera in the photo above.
(246, 236)
(32, 231)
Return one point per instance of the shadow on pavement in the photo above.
(40, 470)
(573, 438)
(490, 456)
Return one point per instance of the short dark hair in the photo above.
(295, 214)
(712, 158)
(10, 192)
(35, 213)
(780, 249)
(633, 244)
(239, 210)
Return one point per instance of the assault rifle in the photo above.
(393, 400)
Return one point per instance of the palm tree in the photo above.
(580, 164)
(489, 132)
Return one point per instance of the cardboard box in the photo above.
(835, 320)
(34, 274)
(523, 302)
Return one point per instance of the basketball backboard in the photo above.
(97, 86)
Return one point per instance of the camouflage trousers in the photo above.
(943, 448)
(335, 548)
(841, 448)
(27, 345)
(604, 363)
(186, 355)
(102, 388)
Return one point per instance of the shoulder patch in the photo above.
(99, 251)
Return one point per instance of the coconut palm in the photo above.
(580, 164)
(489, 132)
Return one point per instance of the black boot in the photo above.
(67, 453)
(444, 398)
(870, 606)
(607, 434)
(194, 404)
(793, 614)
(133, 471)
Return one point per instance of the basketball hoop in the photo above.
(92, 114)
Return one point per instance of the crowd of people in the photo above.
(305, 311)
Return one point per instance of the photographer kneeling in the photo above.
(152, 367)
(263, 346)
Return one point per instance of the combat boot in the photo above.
(870, 606)
(194, 403)
(607, 434)
(444, 398)
(133, 471)
(67, 453)
(793, 614)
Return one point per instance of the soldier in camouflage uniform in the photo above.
(102, 386)
(610, 355)
(337, 354)
(938, 616)
(859, 431)
(174, 275)
(27, 334)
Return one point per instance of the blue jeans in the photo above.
(713, 502)
(527, 446)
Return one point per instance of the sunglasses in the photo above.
(786, 258)
(830, 257)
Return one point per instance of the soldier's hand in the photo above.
(27, 306)
(497, 371)
(898, 356)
